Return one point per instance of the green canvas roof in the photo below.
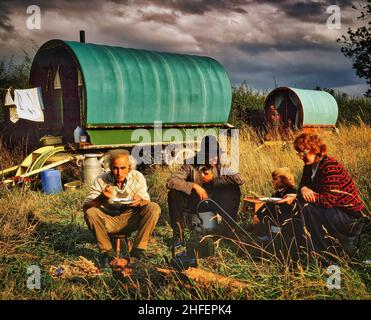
(319, 107)
(129, 86)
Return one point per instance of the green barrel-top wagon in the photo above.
(301, 109)
(111, 91)
(120, 97)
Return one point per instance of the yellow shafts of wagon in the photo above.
(9, 170)
(34, 163)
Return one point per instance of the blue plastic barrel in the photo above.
(51, 181)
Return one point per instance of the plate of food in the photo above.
(269, 199)
(122, 200)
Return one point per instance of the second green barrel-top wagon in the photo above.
(302, 109)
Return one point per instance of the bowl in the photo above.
(72, 185)
(269, 199)
(122, 200)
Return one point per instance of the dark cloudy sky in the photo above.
(259, 42)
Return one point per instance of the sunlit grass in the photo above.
(50, 230)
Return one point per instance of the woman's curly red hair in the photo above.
(311, 142)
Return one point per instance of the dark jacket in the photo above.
(183, 179)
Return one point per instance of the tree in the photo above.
(357, 45)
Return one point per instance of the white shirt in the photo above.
(135, 185)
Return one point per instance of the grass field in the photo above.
(49, 230)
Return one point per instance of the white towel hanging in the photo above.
(29, 104)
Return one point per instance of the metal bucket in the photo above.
(91, 167)
(205, 221)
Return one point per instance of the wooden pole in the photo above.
(206, 277)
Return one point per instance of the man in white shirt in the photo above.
(105, 214)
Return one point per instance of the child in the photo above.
(272, 214)
(283, 182)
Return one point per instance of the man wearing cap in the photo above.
(200, 180)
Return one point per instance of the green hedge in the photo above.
(247, 106)
(352, 109)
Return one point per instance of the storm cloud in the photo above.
(261, 42)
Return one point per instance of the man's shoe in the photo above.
(120, 267)
(139, 254)
(178, 245)
(105, 258)
(115, 263)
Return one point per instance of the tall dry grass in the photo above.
(351, 147)
(50, 230)
(12, 155)
(17, 218)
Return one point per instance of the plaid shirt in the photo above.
(334, 186)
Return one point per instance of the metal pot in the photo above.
(205, 221)
(91, 167)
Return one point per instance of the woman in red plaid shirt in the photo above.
(330, 217)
